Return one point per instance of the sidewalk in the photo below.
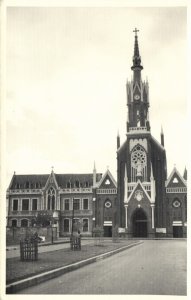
(62, 259)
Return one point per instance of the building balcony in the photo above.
(23, 213)
(77, 190)
(146, 185)
(134, 130)
(84, 212)
(24, 191)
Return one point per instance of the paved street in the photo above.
(156, 267)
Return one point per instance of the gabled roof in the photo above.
(175, 179)
(107, 177)
(135, 188)
(51, 180)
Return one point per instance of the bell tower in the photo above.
(141, 163)
(137, 93)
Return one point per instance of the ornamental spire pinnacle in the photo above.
(136, 56)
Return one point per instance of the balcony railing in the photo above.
(83, 212)
(23, 213)
(137, 129)
(77, 190)
(24, 191)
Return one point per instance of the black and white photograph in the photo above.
(94, 121)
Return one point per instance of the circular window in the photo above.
(138, 156)
(176, 203)
(107, 204)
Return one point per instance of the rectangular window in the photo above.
(76, 204)
(85, 225)
(15, 204)
(25, 204)
(34, 204)
(85, 203)
(66, 204)
(66, 225)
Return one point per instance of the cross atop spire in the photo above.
(136, 30)
(136, 55)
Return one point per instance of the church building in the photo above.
(147, 203)
(142, 203)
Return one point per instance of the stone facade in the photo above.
(70, 201)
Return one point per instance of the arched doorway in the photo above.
(139, 223)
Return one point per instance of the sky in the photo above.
(66, 73)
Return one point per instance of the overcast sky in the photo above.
(66, 85)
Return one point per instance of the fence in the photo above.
(28, 250)
(75, 243)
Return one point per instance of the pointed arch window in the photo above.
(138, 163)
(51, 199)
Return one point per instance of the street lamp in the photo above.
(72, 218)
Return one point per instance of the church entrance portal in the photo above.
(139, 223)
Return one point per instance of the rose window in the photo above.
(138, 157)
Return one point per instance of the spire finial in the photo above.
(136, 56)
(135, 31)
(52, 169)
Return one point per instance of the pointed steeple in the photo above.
(136, 56)
(162, 137)
(118, 140)
(94, 175)
(185, 174)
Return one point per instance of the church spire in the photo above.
(162, 137)
(136, 56)
(94, 175)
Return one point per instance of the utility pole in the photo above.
(73, 217)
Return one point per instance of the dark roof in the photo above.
(157, 145)
(20, 181)
(63, 179)
(122, 147)
(39, 181)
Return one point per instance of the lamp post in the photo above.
(72, 218)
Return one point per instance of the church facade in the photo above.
(147, 205)
(143, 202)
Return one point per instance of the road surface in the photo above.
(156, 267)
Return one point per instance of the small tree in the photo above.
(43, 219)
(98, 233)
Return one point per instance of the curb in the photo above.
(36, 279)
